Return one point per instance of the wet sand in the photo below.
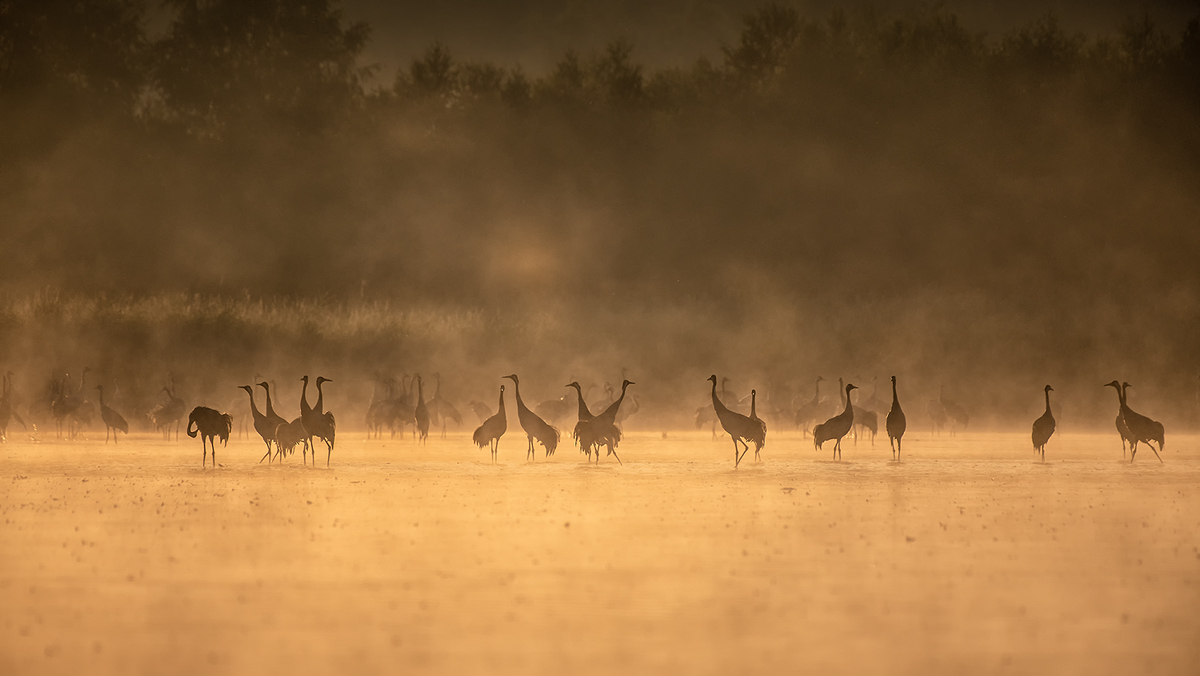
(967, 557)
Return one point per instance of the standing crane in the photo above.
(211, 425)
(1043, 427)
(489, 433)
(836, 427)
(1142, 428)
(758, 440)
(445, 410)
(421, 412)
(809, 410)
(534, 426)
(895, 423)
(739, 427)
(112, 420)
(262, 424)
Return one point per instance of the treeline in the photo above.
(294, 66)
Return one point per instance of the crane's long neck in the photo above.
(502, 414)
(753, 396)
(253, 408)
(304, 407)
(583, 409)
(1047, 401)
(101, 397)
(717, 405)
(270, 409)
(320, 398)
(817, 391)
(420, 391)
(895, 399)
(849, 406)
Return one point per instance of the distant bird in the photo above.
(554, 410)
(895, 423)
(209, 424)
(421, 412)
(937, 414)
(8, 407)
(480, 409)
(602, 429)
(378, 404)
(809, 411)
(262, 424)
(445, 410)
(867, 420)
(1043, 427)
(836, 427)
(954, 410)
(534, 426)
(1142, 428)
(740, 427)
(164, 415)
(489, 433)
(112, 420)
(759, 440)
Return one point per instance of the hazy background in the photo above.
(960, 194)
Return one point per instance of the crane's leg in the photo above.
(614, 452)
(204, 458)
(106, 433)
(213, 442)
(898, 446)
(1155, 451)
(735, 451)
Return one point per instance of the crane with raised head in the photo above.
(836, 427)
(488, 434)
(1043, 427)
(534, 426)
(895, 423)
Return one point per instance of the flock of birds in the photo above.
(396, 408)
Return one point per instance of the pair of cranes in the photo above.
(591, 431)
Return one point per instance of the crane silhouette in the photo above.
(1142, 428)
(444, 409)
(759, 440)
(534, 426)
(954, 410)
(326, 425)
(421, 412)
(288, 435)
(836, 427)
(895, 423)
(585, 414)
(262, 424)
(1043, 427)
(602, 428)
(809, 410)
(211, 425)
(274, 420)
(937, 415)
(739, 427)
(112, 420)
(168, 413)
(8, 407)
(1127, 437)
(489, 433)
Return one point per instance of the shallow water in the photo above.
(969, 556)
